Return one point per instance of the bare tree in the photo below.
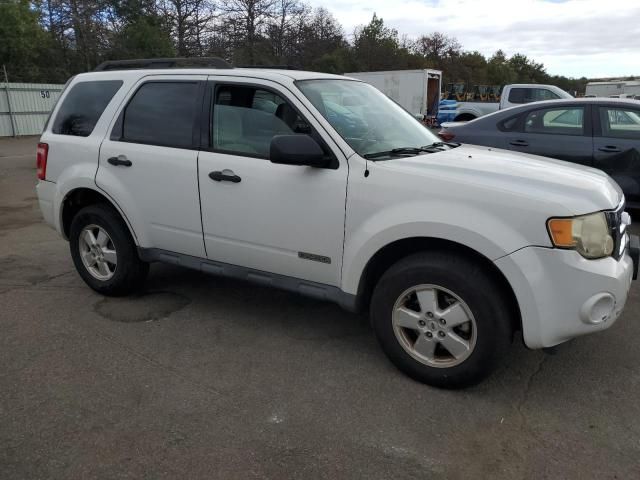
(437, 47)
(247, 20)
(190, 22)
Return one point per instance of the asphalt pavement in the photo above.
(200, 377)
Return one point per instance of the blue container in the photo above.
(446, 111)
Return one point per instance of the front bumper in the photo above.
(562, 295)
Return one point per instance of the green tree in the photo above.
(499, 70)
(24, 43)
(139, 31)
(376, 47)
(143, 37)
(438, 49)
(526, 70)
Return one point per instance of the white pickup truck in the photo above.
(512, 95)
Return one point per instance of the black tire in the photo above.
(130, 272)
(472, 284)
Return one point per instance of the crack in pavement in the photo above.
(529, 383)
(37, 283)
(524, 425)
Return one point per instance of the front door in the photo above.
(616, 147)
(149, 163)
(281, 219)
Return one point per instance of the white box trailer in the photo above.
(613, 88)
(604, 89)
(418, 91)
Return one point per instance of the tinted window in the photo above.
(161, 113)
(561, 121)
(528, 95)
(245, 119)
(83, 106)
(620, 122)
(509, 124)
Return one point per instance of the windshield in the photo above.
(367, 119)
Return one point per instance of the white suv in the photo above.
(322, 185)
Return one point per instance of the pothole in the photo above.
(145, 307)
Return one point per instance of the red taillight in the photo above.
(41, 160)
(446, 135)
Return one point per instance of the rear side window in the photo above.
(161, 113)
(83, 106)
(620, 122)
(561, 121)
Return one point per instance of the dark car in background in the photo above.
(600, 132)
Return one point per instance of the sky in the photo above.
(575, 38)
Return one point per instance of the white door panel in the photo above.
(273, 215)
(158, 193)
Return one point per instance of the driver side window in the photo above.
(245, 119)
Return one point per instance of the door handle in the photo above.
(229, 176)
(519, 143)
(119, 160)
(610, 149)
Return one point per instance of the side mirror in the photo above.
(297, 150)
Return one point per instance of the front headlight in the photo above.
(587, 234)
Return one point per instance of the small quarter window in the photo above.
(83, 106)
(509, 124)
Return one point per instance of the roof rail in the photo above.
(275, 67)
(194, 62)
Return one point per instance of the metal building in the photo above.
(24, 107)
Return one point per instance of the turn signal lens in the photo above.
(561, 230)
(588, 234)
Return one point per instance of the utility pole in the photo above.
(6, 90)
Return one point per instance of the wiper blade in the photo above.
(440, 144)
(397, 152)
(433, 148)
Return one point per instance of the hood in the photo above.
(492, 171)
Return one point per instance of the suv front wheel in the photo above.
(104, 253)
(441, 319)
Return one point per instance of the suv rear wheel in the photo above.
(441, 319)
(104, 253)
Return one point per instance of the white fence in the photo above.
(24, 107)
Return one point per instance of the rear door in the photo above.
(616, 146)
(149, 162)
(562, 132)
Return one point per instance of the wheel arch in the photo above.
(393, 252)
(80, 197)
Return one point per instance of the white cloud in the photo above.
(573, 37)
